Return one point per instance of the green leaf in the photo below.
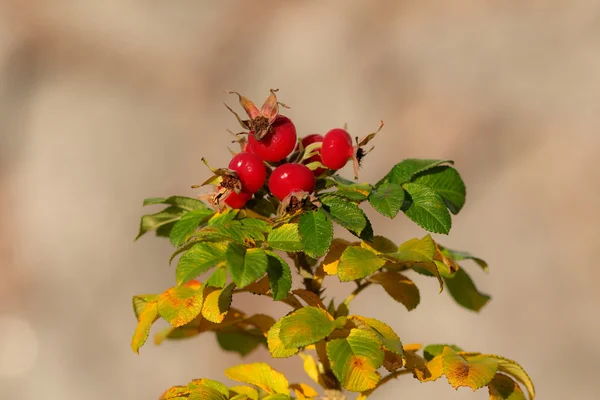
(463, 290)
(434, 350)
(187, 224)
(476, 372)
(427, 209)
(399, 287)
(353, 191)
(386, 334)
(345, 213)
(404, 171)
(504, 388)
(355, 360)
(463, 255)
(387, 199)
(416, 250)
(154, 221)
(181, 304)
(187, 203)
(206, 393)
(305, 326)
(245, 265)
(285, 238)
(261, 375)
(357, 263)
(276, 346)
(240, 341)
(447, 182)
(316, 233)
(223, 217)
(200, 258)
(218, 278)
(280, 276)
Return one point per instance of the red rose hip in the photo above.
(251, 171)
(289, 178)
(337, 149)
(237, 200)
(278, 143)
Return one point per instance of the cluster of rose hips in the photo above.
(271, 147)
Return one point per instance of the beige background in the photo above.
(103, 103)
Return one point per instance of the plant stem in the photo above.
(386, 379)
(359, 288)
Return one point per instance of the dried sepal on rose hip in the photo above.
(260, 119)
(337, 149)
(236, 185)
(297, 201)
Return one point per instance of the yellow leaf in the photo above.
(261, 375)
(475, 373)
(332, 259)
(504, 388)
(311, 368)
(181, 304)
(399, 287)
(146, 318)
(355, 360)
(303, 391)
(276, 347)
(245, 390)
(216, 303)
(412, 347)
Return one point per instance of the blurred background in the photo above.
(105, 103)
